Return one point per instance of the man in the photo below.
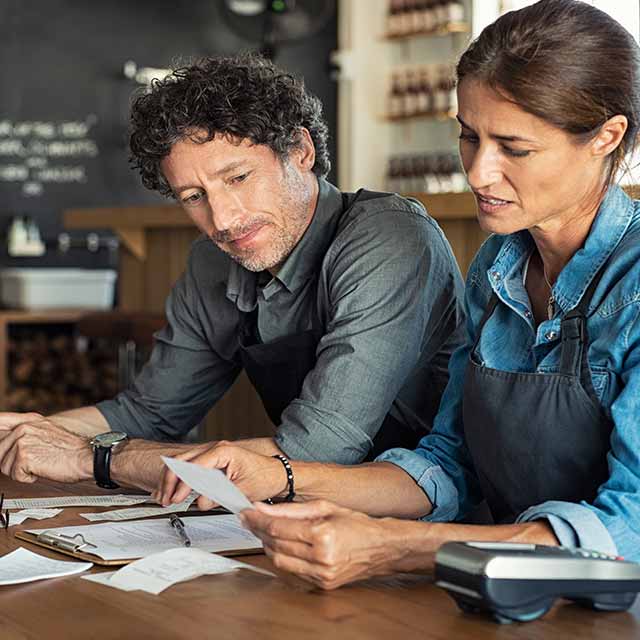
(343, 309)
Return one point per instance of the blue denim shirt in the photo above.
(441, 464)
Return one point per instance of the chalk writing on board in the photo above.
(35, 153)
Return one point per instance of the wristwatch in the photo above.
(103, 444)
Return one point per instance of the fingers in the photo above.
(8, 419)
(268, 528)
(167, 487)
(300, 510)
(204, 504)
(321, 576)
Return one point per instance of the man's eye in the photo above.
(241, 178)
(194, 198)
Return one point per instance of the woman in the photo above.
(540, 415)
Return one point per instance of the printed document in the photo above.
(118, 500)
(22, 565)
(136, 513)
(36, 514)
(211, 483)
(140, 538)
(156, 573)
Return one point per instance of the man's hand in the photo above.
(33, 447)
(323, 543)
(258, 476)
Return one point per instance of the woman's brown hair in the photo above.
(565, 62)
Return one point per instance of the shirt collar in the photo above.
(302, 263)
(609, 226)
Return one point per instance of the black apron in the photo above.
(535, 437)
(278, 368)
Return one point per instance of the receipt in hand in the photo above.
(159, 571)
(211, 483)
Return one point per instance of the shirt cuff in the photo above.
(431, 478)
(573, 524)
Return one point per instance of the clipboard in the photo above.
(77, 546)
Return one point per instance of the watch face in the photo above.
(108, 439)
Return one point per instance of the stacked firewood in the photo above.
(50, 371)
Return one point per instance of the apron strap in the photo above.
(575, 340)
(491, 305)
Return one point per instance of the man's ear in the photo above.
(610, 136)
(303, 155)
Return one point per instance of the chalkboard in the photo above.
(64, 96)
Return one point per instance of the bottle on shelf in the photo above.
(429, 173)
(425, 94)
(395, 18)
(411, 94)
(397, 95)
(455, 11)
(422, 91)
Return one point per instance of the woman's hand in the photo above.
(257, 476)
(326, 544)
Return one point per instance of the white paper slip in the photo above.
(36, 514)
(141, 538)
(139, 512)
(22, 565)
(105, 578)
(211, 483)
(156, 573)
(118, 500)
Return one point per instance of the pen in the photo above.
(178, 525)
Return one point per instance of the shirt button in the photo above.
(527, 313)
(551, 335)
(495, 275)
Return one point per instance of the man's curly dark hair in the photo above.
(243, 96)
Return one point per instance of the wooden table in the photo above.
(245, 605)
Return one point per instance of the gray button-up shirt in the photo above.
(387, 289)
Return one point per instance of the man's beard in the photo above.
(295, 203)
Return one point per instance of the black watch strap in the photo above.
(102, 466)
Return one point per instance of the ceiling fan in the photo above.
(272, 23)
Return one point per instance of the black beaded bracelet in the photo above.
(287, 467)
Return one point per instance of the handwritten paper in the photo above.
(22, 565)
(36, 514)
(160, 571)
(118, 500)
(211, 483)
(136, 513)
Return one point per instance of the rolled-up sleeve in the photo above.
(390, 286)
(186, 373)
(574, 525)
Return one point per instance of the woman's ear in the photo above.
(610, 136)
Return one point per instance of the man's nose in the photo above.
(227, 210)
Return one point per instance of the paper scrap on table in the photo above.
(22, 565)
(36, 514)
(211, 483)
(118, 500)
(140, 512)
(156, 573)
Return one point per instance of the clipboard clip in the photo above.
(61, 541)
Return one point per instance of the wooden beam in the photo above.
(135, 240)
(126, 217)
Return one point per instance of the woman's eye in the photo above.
(515, 153)
(468, 138)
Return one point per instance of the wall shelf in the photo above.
(430, 115)
(451, 28)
